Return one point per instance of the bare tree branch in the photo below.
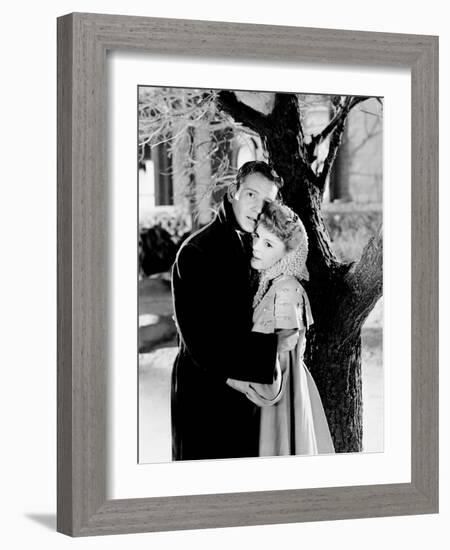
(319, 138)
(240, 112)
(336, 128)
(357, 99)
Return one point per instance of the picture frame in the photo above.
(83, 42)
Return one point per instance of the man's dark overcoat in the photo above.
(213, 311)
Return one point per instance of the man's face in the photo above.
(249, 199)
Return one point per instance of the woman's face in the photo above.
(267, 248)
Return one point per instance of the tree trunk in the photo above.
(340, 173)
(336, 370)
(341, 295)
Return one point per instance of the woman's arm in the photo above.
(262, 395)
(286, 319)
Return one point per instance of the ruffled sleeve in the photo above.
(285, 306)
(292, 308)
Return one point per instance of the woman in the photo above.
(293, 421)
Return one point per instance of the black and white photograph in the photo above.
(223, 240)
(260, 274)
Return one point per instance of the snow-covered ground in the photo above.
(154, 395)
(154, 405)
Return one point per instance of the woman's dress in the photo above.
(293, 420)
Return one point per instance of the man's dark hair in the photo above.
(258, 167)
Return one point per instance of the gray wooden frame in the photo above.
(83, 41)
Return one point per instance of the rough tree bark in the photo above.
(340, 174)
(341, 295)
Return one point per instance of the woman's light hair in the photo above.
(283, 222)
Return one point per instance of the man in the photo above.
(213, 310)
